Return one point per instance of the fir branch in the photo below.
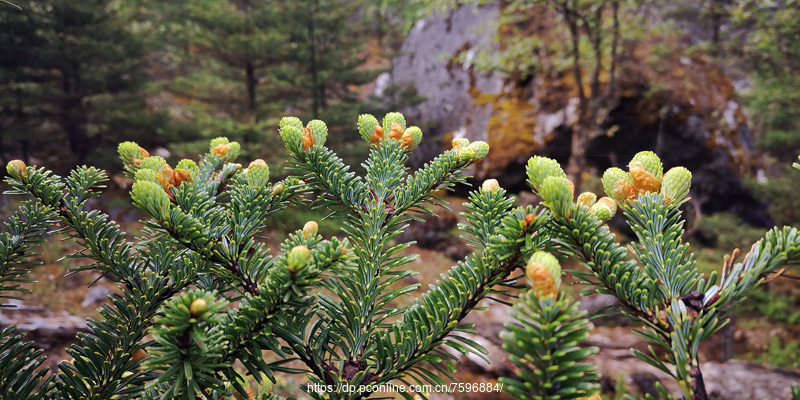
(27, 228)
(441, 173)
(101, 238)
(230, 244)
(339, 187)
(778, 246)
(591, 242)
(427, 324)
(659, 228)
(544, 346)
(21, 373)
(104, 366)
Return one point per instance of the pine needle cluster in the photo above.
(207, 310)
(654, 278)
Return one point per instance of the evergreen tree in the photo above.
(235, 41)
(325, 59)
(74, 74)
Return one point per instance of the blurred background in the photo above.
(713, 85)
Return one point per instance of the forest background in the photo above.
(78, 77)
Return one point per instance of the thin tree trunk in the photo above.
(576, 57)
(2, 148)
(614, 43)
(716, 25)
(577, 160)
(73, 116)
(251, 83)
(598, 51)
(312, 39)
(26, 153)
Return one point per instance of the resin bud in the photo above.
(604, 209)
(460, 143)
(366, 126)
(129, 152)
(290, 121)
(540, 168)
(557, 195)
(544, 272)
(618, 184)
(466, 154)
(198, 307)
(216, 142)
(17, 169)
(257, 173)
(651, 163)
(394, 118)
(415, 133)
(156, 163)
(643, 180)
(396, 131)
(319, 131)
(481, 150)
(408, 141)
(151, 197)
(490, 185)
(308, 140)
(188, 165)
(146, 174)
(298, 258)
(676, 184)
(377, 135)
(293, 138)
(310, 229)
(586, 199)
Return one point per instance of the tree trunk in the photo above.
(73, 122)
(598, 51)
(576, 57)
(614, 43)
(312, 42)
(26, 150)
(250, 83)
(577, 155)
(577, 159)
(72, 116)
(716, 25)
(3, 158)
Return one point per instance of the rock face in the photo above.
(426, 66)
(683, 108)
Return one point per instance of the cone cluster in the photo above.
(550, 182)
(470, 152)
(393, 128)
(645, 175)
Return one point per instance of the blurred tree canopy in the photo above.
(773, 49)
(759, 41)
(79, 76)
(84, 75)
(72, 76)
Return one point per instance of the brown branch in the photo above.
(698, 386)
